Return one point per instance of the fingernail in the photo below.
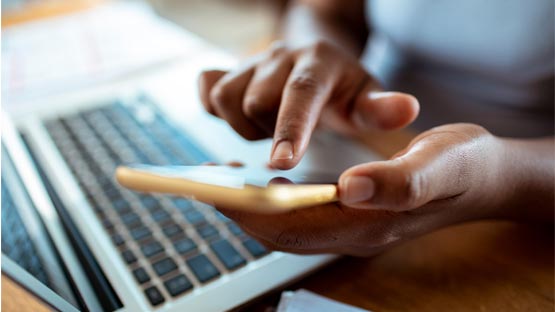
(283, 151)
(355, 189)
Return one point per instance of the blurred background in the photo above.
(238, 26)
(53, 47)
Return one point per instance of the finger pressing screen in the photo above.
(307, 90)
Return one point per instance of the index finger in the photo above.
(307, 90)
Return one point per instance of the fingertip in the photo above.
(396, 110)
(283, 164)
(354, 189)
(409, 106)
(386, 110)
(396, 185)
(283, 155)
(360, 185)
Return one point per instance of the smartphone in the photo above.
(260, 190)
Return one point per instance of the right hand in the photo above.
(285, 91)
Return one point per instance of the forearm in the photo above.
(530, 168)
(340, 23)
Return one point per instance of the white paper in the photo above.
(303, 300)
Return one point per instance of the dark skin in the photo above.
(446, 175)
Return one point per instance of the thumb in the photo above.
(430, 169)
(383, 110)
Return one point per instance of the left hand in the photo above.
(446, 175)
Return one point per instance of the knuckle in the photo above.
(463, 131)
(254, 107)
(304, 83)
(413, 189)
(474, 130)
(321, 48)
(287, 240)
(220, 95)
(277, 50)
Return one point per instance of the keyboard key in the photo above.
(164, 266)
(140, 233)
(104, 181)
(107, 224)
(184, 245)
(151, 248)
(128, 256)
(117, 239)
(183, 204)
(208, 231)
(112, 193)
(255, 248)
(172, 230)
(149, 202)
(203, 269)
(235, 229)
(227, 254)
(194, 217)
(130, 219)
(178, 285)
(161, 216)
(141, 275)
(121, 206)
(154, 296)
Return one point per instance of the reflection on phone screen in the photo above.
(238, 177)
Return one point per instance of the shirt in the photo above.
(489, 62)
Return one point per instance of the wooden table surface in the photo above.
(486, 266)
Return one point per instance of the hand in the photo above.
(449, 174)
(285, 91)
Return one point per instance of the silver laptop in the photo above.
(115, 250)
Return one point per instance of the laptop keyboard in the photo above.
(16, 241)
(170, 245)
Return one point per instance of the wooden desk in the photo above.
(486, 266)
(16, 298)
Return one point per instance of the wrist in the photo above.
(527, 177)
(491, 188)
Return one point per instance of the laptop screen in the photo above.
(24, 238)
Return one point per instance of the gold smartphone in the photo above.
(250, 189)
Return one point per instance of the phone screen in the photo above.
(238, 177)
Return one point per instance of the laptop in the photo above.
(100, 247)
